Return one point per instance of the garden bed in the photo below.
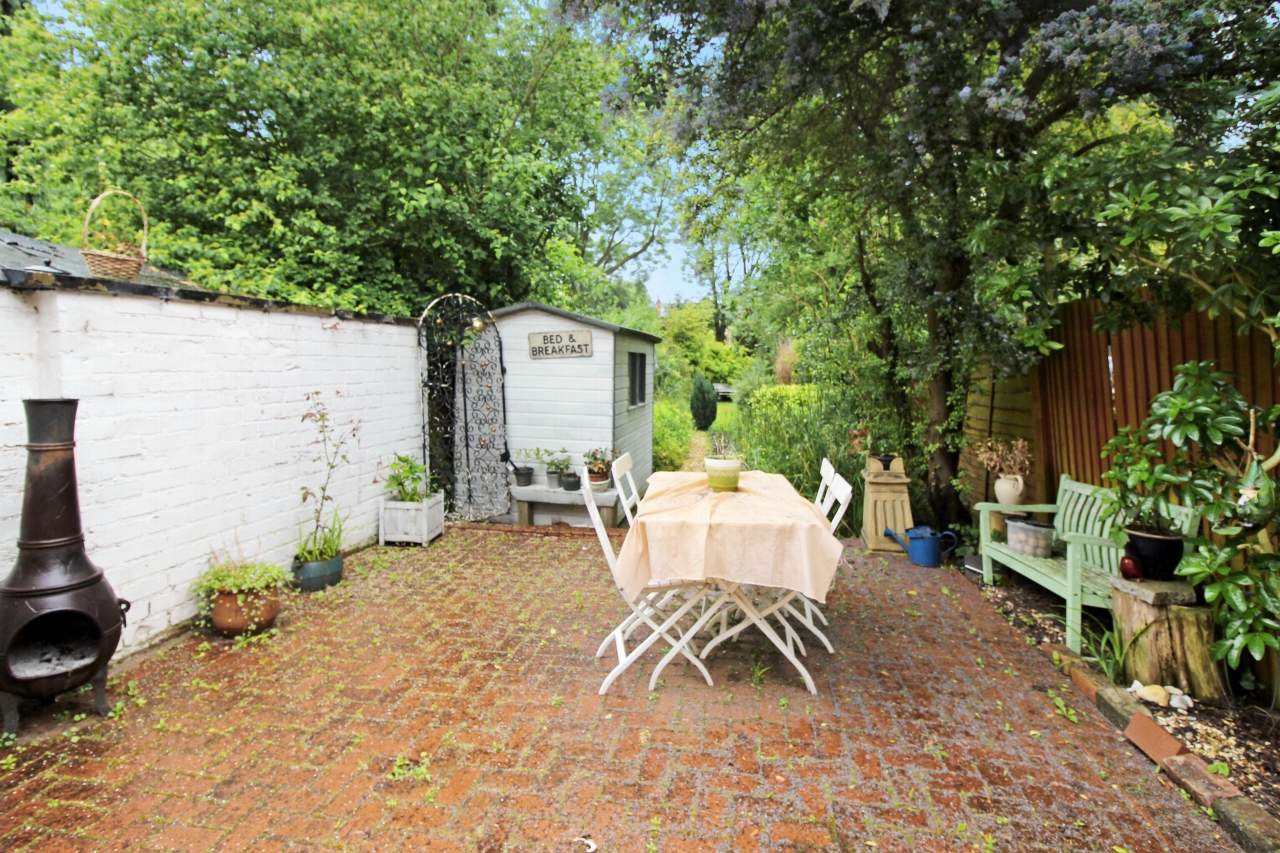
(1246, 737)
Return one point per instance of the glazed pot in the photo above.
(1010, 489)
(234, 614)
(570, 481)
(722, 474)
(553, 479)
(315, 575)
(1158, 555)
(599, 482)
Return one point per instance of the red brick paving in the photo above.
(930, 733)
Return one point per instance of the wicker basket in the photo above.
(112, 264)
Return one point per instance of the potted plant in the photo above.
(1139, 501)
(523, 474)
(1010, 461)
(319, 560)
(414, 511)
(1214, 432)
(557, 467)
(239, 597)
(597, 462)
(724, 465)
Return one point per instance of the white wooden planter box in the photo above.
(411, 521)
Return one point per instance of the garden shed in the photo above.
(577, 383)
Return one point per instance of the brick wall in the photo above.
(189, 432)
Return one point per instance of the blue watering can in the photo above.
(925, 548)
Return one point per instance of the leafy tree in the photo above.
(352, 154)
(702, 402)
(945, 132)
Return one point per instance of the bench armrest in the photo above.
(1085, 539)
(987, 506)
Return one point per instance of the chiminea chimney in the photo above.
(60, 620)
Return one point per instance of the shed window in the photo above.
(636, 363)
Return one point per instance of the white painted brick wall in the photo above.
(189, 433)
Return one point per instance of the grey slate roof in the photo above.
(18, 252)
(579, 318)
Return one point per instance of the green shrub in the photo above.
(672, 432)
(235, 576)
(702, 402)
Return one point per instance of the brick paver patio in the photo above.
(932, 732)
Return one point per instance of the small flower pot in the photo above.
(315, 575)
(723, 474)
(1158, 555)
(571, 481)
(234, 614)
(524, 475)
(599, 482)
(553, 479)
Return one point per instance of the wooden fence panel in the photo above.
(1078, 398)
(1099, 383)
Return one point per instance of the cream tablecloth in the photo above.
(765, 534)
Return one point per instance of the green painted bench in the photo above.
(1083, 577)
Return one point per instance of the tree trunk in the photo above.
(944, 461)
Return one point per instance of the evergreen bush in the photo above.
(702, 402)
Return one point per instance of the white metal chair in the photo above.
(662, 606)
(622, 472)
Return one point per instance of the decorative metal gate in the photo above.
(464, 433)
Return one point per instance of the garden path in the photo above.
(698, 446)
(444, 701)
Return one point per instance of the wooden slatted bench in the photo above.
(1083, 577)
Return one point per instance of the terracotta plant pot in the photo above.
(1010, 490)
(599, 482)
(257, 613)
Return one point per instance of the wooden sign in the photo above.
(575, 343)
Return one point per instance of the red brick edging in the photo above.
(1248, 823)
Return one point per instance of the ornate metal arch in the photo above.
(464, 430)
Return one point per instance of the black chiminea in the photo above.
(60, 620)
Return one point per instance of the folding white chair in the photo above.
(662, 606)
(833, 491)
(622, 472)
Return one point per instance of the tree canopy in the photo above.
(352, 154)
(939, 176)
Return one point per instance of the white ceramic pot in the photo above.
(600, 485)
(1009, 490)
(722, 474)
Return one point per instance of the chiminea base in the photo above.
(9, 702)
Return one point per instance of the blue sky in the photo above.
(669, 279)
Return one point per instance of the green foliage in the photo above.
(242, 578)
(1214, 465)
(557, 461)
(702, 402)
(324, 541)
(407, 479)
(931, 177)
(598, 459)
(672, 432)
(337, 153)
(1108, 650)
(689, 346)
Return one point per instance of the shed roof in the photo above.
(580, 318)
(18, 252)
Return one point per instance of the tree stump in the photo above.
(1174, 650)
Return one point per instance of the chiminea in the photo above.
(60, 620)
